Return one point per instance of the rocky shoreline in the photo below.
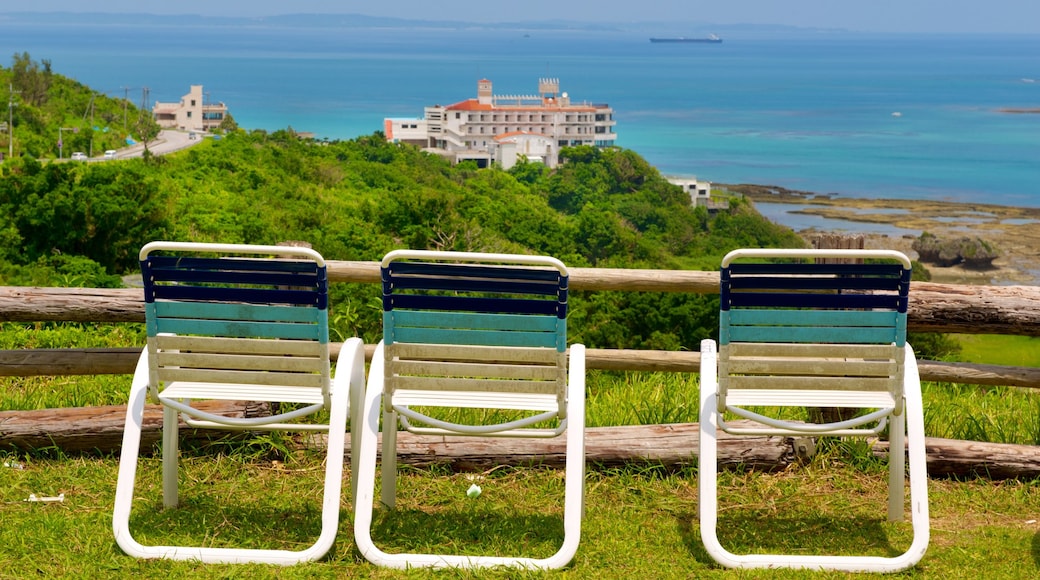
(1013, 231)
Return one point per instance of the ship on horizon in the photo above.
(710, 39)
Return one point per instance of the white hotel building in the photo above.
(502, 128)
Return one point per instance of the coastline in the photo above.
(1012, 230)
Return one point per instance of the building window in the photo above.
(193, 102)
(189, 114)
(458, 115)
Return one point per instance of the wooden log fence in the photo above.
(933, 307)
(949, 308)
(87, 429)
(671, 446)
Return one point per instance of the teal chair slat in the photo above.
(475, 321)
(475, 337)
(846, 318)
(811, 334)
(234, 311)
(242, 329)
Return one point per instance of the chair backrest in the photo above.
(237, 314)
(825, 325)
(490, 323)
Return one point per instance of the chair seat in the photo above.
(476, 400)
(810, 398)
(241, 392)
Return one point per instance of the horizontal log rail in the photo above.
(100, 430)
(120, 361)
(954, 308)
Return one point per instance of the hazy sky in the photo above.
(925, 16)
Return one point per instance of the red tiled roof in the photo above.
(469, 105)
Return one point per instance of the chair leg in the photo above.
(170, 452)
(367, 434)
(353, 354)
(128, 461)
(707, 457)
(388, 460)
(896, 465)
(918, 460)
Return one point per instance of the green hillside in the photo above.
(46, 106)
(82, 223)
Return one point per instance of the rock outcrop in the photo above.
(974, 253)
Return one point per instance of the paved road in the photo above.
(166, 142)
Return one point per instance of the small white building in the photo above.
(509, 148)
(192, 113)
(699, 191)
(501, 128)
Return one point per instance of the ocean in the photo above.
(859, 115)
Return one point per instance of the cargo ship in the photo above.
(709, 39)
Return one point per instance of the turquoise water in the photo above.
(811, 112)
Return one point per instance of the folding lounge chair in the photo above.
(472, 331)
(820, 334)
(229, 322)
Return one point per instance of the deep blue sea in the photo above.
(889, 116)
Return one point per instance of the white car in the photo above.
(79, 156)
(110, 154)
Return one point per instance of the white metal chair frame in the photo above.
(246, 327)
(807, 347)
(460, 349)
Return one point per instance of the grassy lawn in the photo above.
(999, 349)
(640, 523)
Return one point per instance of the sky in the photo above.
(921, 16)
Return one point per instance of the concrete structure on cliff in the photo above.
(192, 113)
(506, 128)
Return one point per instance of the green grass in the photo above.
(639, 523)
(999, 349)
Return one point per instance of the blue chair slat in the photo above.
(241, 329)
(823, 283)
(486, 285)
(833, 301)
(474, 321)
(475, 304)
(230, 272)
(237, 294)
(220, 273)
(884, 270)
(308, 280)
(176, 263)
(445, 269)
(236, 311)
